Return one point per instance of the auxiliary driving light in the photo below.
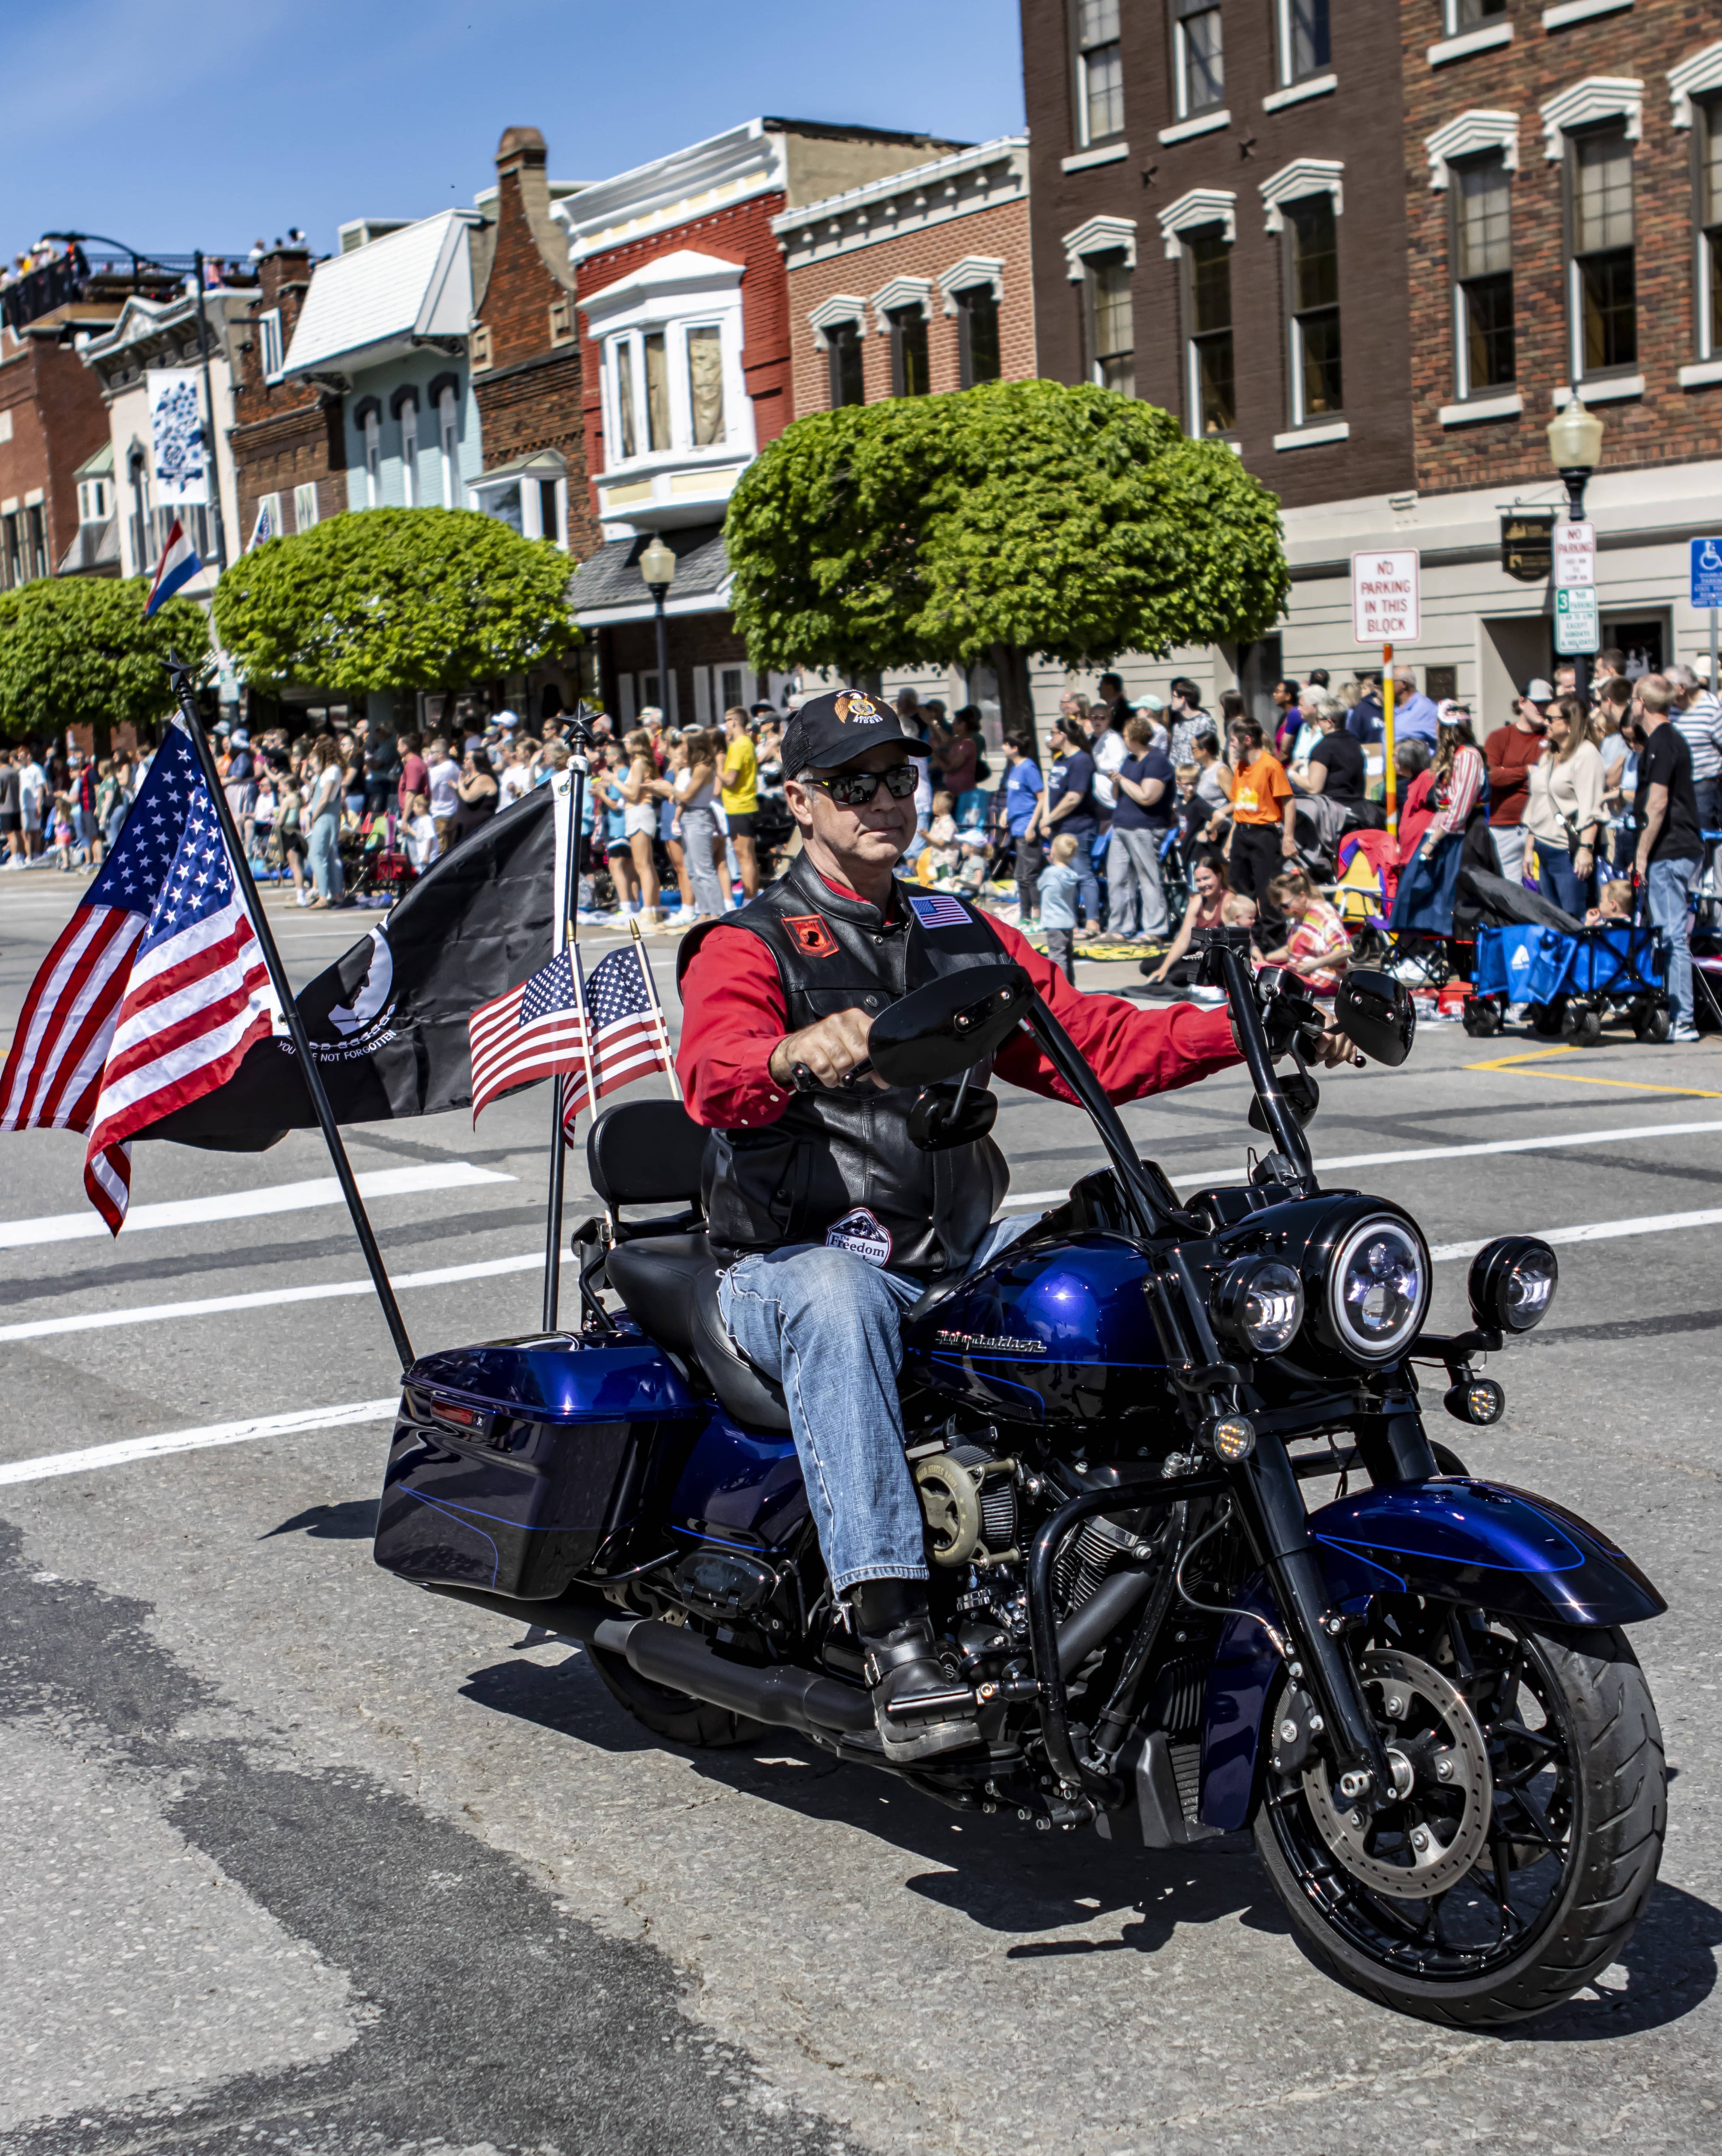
(1258, 1302)
(1232, 1439)
(1512, 1283)
(1479, 1401)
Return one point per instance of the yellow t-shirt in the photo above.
(740, 791)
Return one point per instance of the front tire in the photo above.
(1578, 1812)
(677, 1717)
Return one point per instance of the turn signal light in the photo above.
(1479, 1401)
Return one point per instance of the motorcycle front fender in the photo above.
(1452, 1539)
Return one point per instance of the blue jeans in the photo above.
(325, 858)
(828, 1327)
(1560, 883)
(1669, 886)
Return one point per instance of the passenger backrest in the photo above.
(645, 1152)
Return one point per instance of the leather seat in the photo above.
(669, 1284)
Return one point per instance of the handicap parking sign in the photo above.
(1707, 572)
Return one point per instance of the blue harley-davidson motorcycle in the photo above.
(1419, 1696)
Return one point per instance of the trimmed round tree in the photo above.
(77, 651)
(396, 600)
(994, 524)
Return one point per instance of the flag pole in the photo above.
(180, 674)
(651, 986)
(566, 922)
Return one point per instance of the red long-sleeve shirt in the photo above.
(734, 1014)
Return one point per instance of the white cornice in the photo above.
(972, 271)
(1702, 71)
(901, 292)
(691, 183)
(1303, 176)
(984, 177)
(1597, 97)
(831, 314)
(1200, 206)
(1099, 235)
(1471, 131)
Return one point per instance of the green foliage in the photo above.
(396, 598)
(1025, 515)
(77, 651)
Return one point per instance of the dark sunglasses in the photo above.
(855, 790)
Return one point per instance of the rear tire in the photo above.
(1604, 1804)
(677, 1717)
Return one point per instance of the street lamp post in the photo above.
(217, 528)
(657, 566)
(1576, 451)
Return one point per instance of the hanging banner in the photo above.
(178, 467)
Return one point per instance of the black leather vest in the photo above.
(832, 1153)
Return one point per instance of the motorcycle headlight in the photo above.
(1377, 1289)
(1258, 1302)
(1512, 1283)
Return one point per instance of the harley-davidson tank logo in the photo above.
(991, 1344)
(811, 935)
(852, 705)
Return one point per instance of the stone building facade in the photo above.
(918, 282)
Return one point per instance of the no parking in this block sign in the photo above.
(1385, 599)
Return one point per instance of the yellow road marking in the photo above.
(1507, 1064)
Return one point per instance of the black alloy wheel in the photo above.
(1477, 1899)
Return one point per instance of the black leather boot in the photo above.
(903, 1669)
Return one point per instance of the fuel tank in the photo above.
(1055, 1333)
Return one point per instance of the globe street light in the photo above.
(1576, 451)
(657, 565)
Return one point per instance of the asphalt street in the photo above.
(294, 1856)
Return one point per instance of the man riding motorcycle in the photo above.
(835, 1220)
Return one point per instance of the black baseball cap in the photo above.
(835, 728)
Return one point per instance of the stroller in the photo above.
(1572, 977)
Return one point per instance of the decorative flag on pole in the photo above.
(629, 1036)
(535, 1031)
(264, 527)
(154, 991)
(178, 566)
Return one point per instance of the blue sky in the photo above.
(211, 122)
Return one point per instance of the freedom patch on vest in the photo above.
(862, 1234)
(938, 911)
(811, 934)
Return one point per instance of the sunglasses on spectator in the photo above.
(855, 790)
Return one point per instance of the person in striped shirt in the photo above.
(1317, 946)
(1698, 719)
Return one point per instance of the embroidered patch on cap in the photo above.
(811, 934)
(938, 911)
(852, 704)
(862, 1234)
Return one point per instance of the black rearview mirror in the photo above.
(938, 1031)
(1376, 1012)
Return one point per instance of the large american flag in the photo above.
(628, 1036)
(533, 1032)
(154, 991)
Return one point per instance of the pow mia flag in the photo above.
(388, 1020)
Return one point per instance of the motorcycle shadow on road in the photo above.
(1025, 1885)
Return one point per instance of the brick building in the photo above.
(686, 374)
(51, 420)
(917, 282)
(289, 452)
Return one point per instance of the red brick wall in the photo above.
(1668, 424)
(1001, 232)
(58, 420)
(286, 434)
(742, 234)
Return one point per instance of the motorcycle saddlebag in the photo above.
(510, 1463)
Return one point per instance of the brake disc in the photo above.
(1417, 1846)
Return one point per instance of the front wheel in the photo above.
(1529, 1814)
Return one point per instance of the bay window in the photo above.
(704, 383)
(1483, 274)
(667, 391)
(1099, 71)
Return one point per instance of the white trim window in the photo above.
(1198, 57)
(1707, 143)
(448, 430)
(1312, 244)
(1210, 387)
(1463, 15)
(410, 452)
(374, 456)
(1098, 70)
(1305, 44)
(269, 344)
(673, 387)
(92, 499)
(1484, 358)
(1109, 321)
(1603, 265)
(306, 512)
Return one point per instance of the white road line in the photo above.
(1221, 1170)
(153, 1313)
(246, 1205)
(1594, 1231)
(49, 1464)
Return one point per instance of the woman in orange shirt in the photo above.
(1262, 808)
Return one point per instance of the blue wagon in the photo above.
(1571, 979)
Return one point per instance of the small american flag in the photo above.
(628, 1036)
(938, 910)
(535, 1031)
(153, 992)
